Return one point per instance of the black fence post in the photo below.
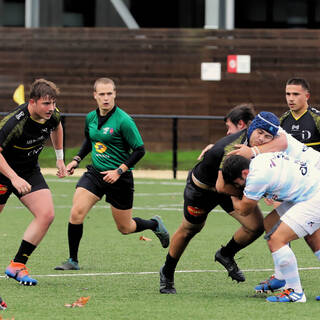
(175, 147)
(63, 123)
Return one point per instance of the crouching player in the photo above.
(277, 176)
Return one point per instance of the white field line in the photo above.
(162, 207)
(108, 274)
(171, 183)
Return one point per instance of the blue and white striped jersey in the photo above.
(298, 150)
(280, 177)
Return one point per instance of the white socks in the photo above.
(286, 265)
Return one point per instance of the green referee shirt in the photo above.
(113, 142)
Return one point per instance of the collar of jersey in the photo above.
(297, 118)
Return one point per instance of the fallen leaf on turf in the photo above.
(144, 238)
(79, 303)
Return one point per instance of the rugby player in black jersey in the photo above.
(200, 197)
(23, 133)
(301, 120)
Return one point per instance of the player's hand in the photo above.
(62, 171)
(241, 150)
(111, 176)
(209, 146)
(268, 202)
(22, 186)
(71, 166)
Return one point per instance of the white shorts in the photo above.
(284, 207)
(303, 217)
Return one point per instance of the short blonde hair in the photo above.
(104, 81)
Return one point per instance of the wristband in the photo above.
(77, 159)
(254, 154)
(59, 154)
(257, 150)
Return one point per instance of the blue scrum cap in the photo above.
(267, 121)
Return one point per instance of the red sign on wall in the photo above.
(232, 63)
(239, 63)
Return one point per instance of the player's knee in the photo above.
(77, 215)
(46, 218)
(255, 230)
(124, 229)
(189, 233)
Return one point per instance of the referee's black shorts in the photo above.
(118, 194)
(34, 178)
(199, 202)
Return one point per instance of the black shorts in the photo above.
(34, 178)
(199, 202)
(118, 194)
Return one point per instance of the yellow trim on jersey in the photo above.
(21, 148)
(312, 143)
(42, 121)
(299, 116)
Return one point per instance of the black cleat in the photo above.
(166, 285)
(228, 262)
(161, 232)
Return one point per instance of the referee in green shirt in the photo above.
(116, 146)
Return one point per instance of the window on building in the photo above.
(78, 13)
(12, 13)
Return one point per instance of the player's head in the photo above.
(42, 88)
(297, 94)
(239, 118)
(299, 82)
(263, 128)
(104, 92)
(104, 81)
(235, 170)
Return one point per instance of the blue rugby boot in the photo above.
(288, 295)
(19, 272)
(270, 285)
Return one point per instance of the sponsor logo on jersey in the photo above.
(100, 147)
(108, 129)
(32, 141)
(19, 115)
(34, 151)
(295, 127)
(194, 211)
(310, 223)
(305, 135)
(315, 110)
(3, 189)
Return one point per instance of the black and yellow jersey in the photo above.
(207, 170)
(305, 128)
(23, 138)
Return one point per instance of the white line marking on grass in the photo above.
(107, 274)
(162, 207)
(171, 183)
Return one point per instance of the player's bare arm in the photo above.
(208, 147)
(279, 143)
(20, 184)
(244, 206)
(57, 141)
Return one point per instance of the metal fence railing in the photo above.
(175, 122)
